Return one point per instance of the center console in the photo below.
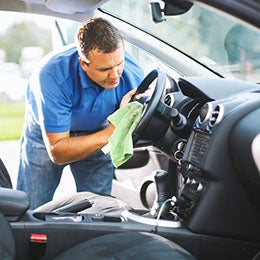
(191, 168)
(193, 182)
(160, 215)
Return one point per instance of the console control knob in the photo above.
(189, 167)
(181, 146)
(187, 180)
(200, 187)
(193, 182)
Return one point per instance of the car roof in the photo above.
(78, 10)
(75, 10)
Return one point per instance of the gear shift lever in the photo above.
(161, 178)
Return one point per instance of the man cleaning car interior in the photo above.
(69, 99)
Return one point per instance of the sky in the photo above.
(8, 18)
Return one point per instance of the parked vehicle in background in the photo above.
(12, 82)
(30, 58)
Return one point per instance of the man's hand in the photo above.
(127, 97)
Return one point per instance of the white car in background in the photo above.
(12, 83)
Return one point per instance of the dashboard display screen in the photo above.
(198, 148)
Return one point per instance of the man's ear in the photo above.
(82, 64)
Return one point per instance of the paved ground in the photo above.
(9, 153)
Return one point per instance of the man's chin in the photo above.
(111, 86)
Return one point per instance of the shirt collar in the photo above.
(85, 81)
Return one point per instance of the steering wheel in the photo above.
(151, 105)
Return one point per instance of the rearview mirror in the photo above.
(174, 7)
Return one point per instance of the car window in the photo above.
(147, 61)
(219, 42)
(21, 50)
(58, 32)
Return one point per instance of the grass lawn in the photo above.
(11, 120)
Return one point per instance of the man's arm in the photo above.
(65, 149)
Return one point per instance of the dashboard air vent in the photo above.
(169, 99)
(216, 115)
(205, 113)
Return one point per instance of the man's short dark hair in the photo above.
(99, 34)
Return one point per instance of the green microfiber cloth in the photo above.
(125, 121)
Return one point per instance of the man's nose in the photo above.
(114, 73)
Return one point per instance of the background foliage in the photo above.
(24, 34)
(13, 40)
(11, 120)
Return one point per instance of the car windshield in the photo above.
(221, 43)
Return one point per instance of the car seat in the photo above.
(123, 245)
(5, 180)
(98, 204)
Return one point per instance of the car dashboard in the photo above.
(209, 131)
(216, 159)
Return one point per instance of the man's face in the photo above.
(105, 69)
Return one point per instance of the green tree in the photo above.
(24, 34)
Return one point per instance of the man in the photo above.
(68, 101)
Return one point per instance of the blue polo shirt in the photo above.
(63, 98)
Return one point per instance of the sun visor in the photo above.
(75, 6)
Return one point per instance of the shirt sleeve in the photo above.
(53, 103)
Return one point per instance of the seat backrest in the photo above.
(7, 242)
(5, 180)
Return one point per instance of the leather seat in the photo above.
(124, 245)
(7, 243)
(101, 203)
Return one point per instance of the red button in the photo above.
(38, 238)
